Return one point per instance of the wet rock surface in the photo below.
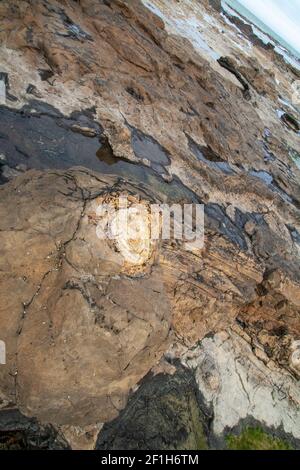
(17, 432)
(163, 414)
(156, 116)
(42, 138)
(39, 136)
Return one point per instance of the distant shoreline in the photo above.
(247, 16)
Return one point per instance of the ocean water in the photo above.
(283, 45)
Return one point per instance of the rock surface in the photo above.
(163, 414)
(78, 335)
(236, 384)
(232, 389)
(17, 432)
(178, 107)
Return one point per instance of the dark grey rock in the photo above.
(162, 414)
(17, 432)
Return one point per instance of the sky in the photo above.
(282, 16)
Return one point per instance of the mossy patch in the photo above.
(256, 439)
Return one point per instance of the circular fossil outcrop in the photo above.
(89, 316)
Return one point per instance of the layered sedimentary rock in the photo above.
(179, 108)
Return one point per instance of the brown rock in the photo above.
(84, 319)
(78, 334)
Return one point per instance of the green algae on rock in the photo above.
(256, 439)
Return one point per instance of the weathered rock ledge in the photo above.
(110, 98)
